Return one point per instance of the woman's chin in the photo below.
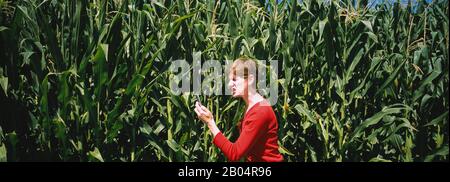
(234, 95)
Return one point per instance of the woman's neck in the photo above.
(251, 99)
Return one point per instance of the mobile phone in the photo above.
(198, 99)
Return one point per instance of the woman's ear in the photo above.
(251, 81)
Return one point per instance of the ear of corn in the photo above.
(87, 80)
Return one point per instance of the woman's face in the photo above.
(237, 85)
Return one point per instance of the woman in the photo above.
(258, 140)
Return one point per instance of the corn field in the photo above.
(88, 80)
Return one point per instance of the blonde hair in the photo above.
(244, 65)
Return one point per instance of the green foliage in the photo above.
(87, 80)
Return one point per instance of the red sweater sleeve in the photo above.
(253, 127)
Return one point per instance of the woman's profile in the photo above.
(258, 138)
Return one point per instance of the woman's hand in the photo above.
(203, 113)
(206, 116)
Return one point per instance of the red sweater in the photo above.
(258, 137)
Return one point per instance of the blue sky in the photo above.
(401, 1)
(380, 1)
(373, 3)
